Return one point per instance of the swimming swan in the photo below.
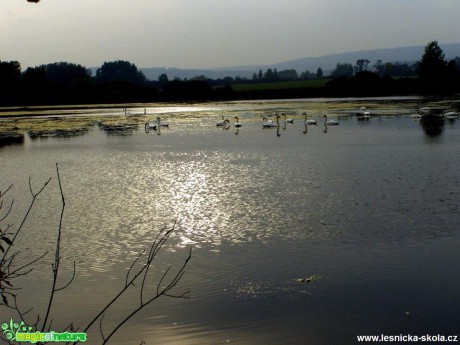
(330, 122)
(451, 115)
(265, 120)
(162, 124)
(309, 122)
(149, 126)
(223, 123)
(237, 124)
(287, 120)
(271, 124)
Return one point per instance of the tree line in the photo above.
(432, 74)
(121, 81)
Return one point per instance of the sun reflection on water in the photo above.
(259, 211)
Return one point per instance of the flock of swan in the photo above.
(277, 122)
(266, 123)
(156, 124)
(426, 111)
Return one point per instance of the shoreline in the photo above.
(79, 109)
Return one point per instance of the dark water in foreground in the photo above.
(368, 208)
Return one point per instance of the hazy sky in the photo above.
(215, 33)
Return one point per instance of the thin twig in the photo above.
(130, 268)
(6, 190)
(100, 327)
(70, 281)
(16, 271)
(8, 211)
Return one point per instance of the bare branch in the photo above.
(153, 249)
(100, 327)
(163, 292)
(16, 271)
(57, 256)
(34, 198)
(137, 271)
(6, 190)
(70, 281)
(130, 268)
(8, 211)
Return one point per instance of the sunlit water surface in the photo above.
(368, 208)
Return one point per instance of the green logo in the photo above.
(20, 332)
(10, 330)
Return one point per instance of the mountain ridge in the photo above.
(408, 54)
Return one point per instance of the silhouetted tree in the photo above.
(379, 67)
(436, 74)
(163, 80)
(10, 72)
(200, 77)
(307, 75)
(36, 85)
(432, 65)
(319, 73)
(361, 65)
(10, 79)
(397, 70)
(261, 74)
(457, 62)
(342, 70)
(227, 80)
(120, 71)
(288, 74)
(453, 67)
(64, 73)
(269, 74)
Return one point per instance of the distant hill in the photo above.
(401, 54)
(326, 62)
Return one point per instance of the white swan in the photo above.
(309, 122)
(364, 113)
(151, 126)
(287, 120)
(425, 109)
(162, 124)
(266, 121)
(330, 122)
(271, 124)
(451, 115)
(223, 123)
(415, 116)
(237, 124)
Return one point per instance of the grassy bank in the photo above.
(282, 85)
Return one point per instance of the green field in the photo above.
(282, 85)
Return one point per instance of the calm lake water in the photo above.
(368, 209)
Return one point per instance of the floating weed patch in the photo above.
(308, 279)
(246, 289)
